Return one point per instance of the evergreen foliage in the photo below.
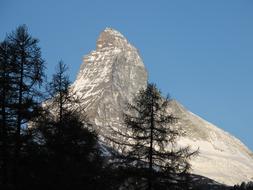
(244, 186)
(149, 143)
(69, 151)
(43, 145)
(21, 69)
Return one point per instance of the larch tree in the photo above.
(27, 71)
(59, 92)
(67, 142)
(149, 140)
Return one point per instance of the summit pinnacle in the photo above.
(112, 38)
(108, 78)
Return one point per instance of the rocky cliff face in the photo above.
(108, 78)
(114, 72)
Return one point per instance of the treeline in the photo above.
(244, 186)
(47, 142)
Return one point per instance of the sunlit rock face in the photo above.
(108, 78)
(113, 73)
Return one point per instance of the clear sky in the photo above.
(200, 51)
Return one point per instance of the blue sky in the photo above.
(199, 51)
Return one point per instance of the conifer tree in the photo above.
(68, 145)
(149, 138)
(21, 75)
(27, 70)
(59, 92)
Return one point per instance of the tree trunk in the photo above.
(61, 98)
(19, 120)
(151, 148)
(4, 130)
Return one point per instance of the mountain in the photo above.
(113, 73)
(109, 77)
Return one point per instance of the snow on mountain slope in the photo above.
(108, 78)
(114, 72)
(222, 157)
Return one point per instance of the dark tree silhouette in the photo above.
(6, 96)
(59, 92)
(27, 73)
(69, 156)
(21, 75)
(244, 186)
(150, 138)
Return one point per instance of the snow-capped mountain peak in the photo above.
(109, 77)
(113, 73)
